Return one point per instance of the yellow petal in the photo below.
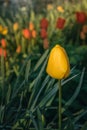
(5, 31)
(58, 63)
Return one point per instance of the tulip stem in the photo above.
(60, 104)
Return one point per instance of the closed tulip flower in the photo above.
(5, 31)
(3, 43)
(80, 17)
(34, 33)
(60, 23)
(43, 33)
(44, 23)
(60, 9)
(26, 33)
(15, 26)
(31, 26)
(18, 50)
(58, 64)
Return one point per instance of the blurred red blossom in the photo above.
(60, 23)
(44, 23)
(43, 33)
(80, 17)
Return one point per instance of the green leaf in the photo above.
(70, 126)
(40, 61)
(74, 96)
(84, 126)
(40, 123)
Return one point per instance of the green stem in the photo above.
(60, 104)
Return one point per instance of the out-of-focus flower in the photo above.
(3, 52)
(1, 28)
(31, 26)
(4, 31)
(45, 43)
(26, 33)
(80, 17)
(43, 33)
(15, 26)
(34, 33)
(3, 43)
(84, 28)
(60, 23)
(82, 35)
(60, 9)
(18, 50)
(44, 23)
(49, 7)
(58, 65)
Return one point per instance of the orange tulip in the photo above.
(34, 33)
(84, 28)
(3, 43)
(18, 50)
(26, 33)
(31, 26)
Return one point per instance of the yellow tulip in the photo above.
(49, 7)
(4, 31)
(1, 28)
(60, 9)
(58, 63)
(15, 26)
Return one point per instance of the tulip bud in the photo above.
(31, 26)
(15, 26)
(5, 31)
(26, 33)
(44, 23)
(80, 17)
(3, 43)
(60, 23)
(18, 50)
(60, 9)
(58, 63)
(34, 33)
(43, 33)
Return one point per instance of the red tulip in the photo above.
(80, 17)
(44, 23)
(26, 33)
(60, 23)
(43, 33)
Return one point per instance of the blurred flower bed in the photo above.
(25, 41)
